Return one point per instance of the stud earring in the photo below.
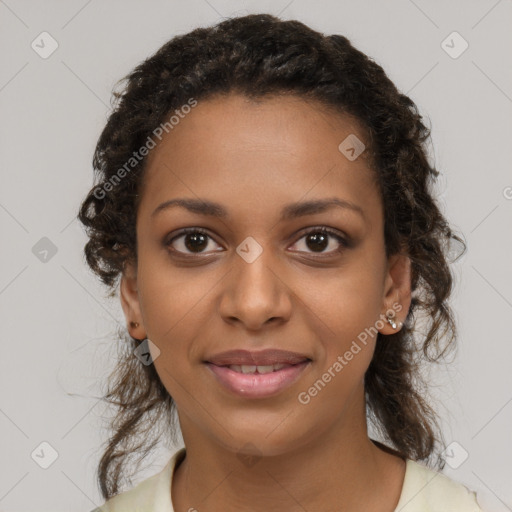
(134, 324)
(392, 322)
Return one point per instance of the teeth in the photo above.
(260, 369)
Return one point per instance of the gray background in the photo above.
(56, 323)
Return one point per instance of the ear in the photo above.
(397, 292)
(130, 302)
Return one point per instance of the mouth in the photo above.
(257, 381)
(260, 359)
(259, 369)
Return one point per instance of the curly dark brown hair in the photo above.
(260, 55)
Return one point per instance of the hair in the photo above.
(258, 56)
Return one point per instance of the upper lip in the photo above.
(260, 358)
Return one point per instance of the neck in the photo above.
(341, 469)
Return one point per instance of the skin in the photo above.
(254, 158)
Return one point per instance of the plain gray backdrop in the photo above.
(57, 325)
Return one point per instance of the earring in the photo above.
(134, 324)
(391, 321)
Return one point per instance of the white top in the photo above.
(423, 490)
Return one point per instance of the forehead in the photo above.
(254, 152)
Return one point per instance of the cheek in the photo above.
(167, 307)
(348, 306)
(169, 299)
(347, 301)
(349, 310)
(174, 307)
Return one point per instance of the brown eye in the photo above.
(197, 241)
(190, 241)
(318, 240)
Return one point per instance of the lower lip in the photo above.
(258, 385)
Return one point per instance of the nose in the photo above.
(255, 294)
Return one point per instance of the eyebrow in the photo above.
(291, 211)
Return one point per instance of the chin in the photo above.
(260, 440)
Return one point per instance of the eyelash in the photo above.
(316, 230)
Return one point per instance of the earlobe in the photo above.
(397, 293)
(130, 302)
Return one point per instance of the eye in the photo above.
(197, 241)
(317, 239)
(190, 241)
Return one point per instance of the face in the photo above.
(262, 267)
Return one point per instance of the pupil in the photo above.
(199, 241)
(318, 238)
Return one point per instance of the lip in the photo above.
(258, 385)
(260, 358)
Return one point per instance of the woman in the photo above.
(264, 204)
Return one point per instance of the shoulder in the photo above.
(427, 490)
(151, 495)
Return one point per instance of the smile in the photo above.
(257, 381)
(257, 369)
